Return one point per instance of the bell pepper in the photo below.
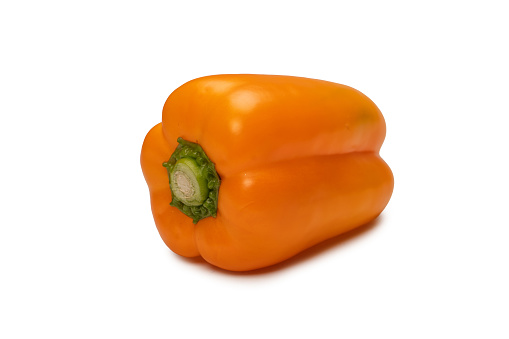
(249, 170)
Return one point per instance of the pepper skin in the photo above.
(298, 162)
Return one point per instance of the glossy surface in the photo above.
(298, 161)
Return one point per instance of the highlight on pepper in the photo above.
(249, 170)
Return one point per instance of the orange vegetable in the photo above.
(297, 162)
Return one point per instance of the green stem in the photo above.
(194, 182)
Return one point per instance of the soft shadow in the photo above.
(306, 255)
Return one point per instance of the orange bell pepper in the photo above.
(249, 170)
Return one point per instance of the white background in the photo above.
(83, 82)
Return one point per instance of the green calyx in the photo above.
(194, 182)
